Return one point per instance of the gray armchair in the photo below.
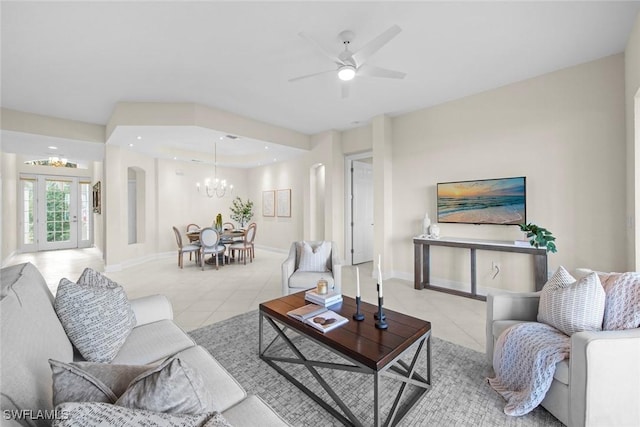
(599, 385)
(294, 280)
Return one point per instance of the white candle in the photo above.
(357, 281)
(380, 275)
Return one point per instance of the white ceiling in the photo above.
(76, 60)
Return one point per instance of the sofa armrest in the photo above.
(605, 378)
(288, 267)
(151, 309)
(509, 306)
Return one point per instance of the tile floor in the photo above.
(203, 297)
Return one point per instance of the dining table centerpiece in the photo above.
(241, 212)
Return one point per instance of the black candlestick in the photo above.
(380, 323)
(357, 315)
(380, 312)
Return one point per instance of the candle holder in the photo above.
(380, 323)
(357, 315)
(380, 312)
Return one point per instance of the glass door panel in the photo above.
(85, 208)
(27, 221)
(60, 215)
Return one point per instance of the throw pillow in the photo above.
(572, 306)
(91, 382)
(99, 414)
(172, 387)
(314, 259)
(622, 308)
(96, 315)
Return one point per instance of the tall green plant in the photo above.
(241, 212)
(539, 237)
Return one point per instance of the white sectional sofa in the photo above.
(32, 334)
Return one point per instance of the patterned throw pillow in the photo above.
(99, 414)
(96, 315)
(314, 259)
(91, 382)
(622, 310)
(172, 387)
(572, 306)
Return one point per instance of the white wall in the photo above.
(564, 131)
(8, 205)
(632, 102)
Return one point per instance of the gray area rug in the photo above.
(459, 395)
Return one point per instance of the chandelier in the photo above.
(218, 187)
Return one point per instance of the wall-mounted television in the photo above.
(486, 201)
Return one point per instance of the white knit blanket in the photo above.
(524, 361)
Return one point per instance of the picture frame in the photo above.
(97, 198)
(269, 203)
(283, 205)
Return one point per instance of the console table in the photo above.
(422, 271)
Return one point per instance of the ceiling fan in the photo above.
(351, 64)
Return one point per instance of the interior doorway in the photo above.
(359, 221)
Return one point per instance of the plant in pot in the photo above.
(241, 212)
(539, 237)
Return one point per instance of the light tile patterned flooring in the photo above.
(203, 297)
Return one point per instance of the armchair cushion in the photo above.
(572, 306)
(314, 258)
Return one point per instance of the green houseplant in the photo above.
(539, 237)
(241, 212)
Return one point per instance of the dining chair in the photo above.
(190, 248)
(210, 244)
(228, 226)
(192, 228)
(246, 245)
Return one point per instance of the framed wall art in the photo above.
(283, 204)
(97, 202)
(268, 203)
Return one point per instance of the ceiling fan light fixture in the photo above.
(346, 72)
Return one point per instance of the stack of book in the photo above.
(324, 300)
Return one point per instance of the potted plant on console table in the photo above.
(539, 237)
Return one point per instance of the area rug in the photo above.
(459, 394)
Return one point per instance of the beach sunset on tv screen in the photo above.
(487, 201)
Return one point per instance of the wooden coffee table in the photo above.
(369, 350)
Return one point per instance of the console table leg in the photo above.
(474, 285)
(540, 270)
(417, 267)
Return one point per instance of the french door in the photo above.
(55, 212)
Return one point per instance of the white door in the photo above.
(361, 212)
(54, 213)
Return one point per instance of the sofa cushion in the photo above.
(91, 382)
(499, 326)
(153, 342)
(572, 306)
(562, 372)
(253, 411)
(307, 279)
(314, 258)
(96, 315)
(31, 335)
(225, 390)
(99, 414)
(172, 387)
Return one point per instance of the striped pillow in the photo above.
(314, 259)
(572, 306)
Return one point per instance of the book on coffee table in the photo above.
(318, 317)
(326, 300)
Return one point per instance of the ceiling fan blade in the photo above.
(295, 79)
(320, 49)
(345, 90)
(374, 45)
(373, 71)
